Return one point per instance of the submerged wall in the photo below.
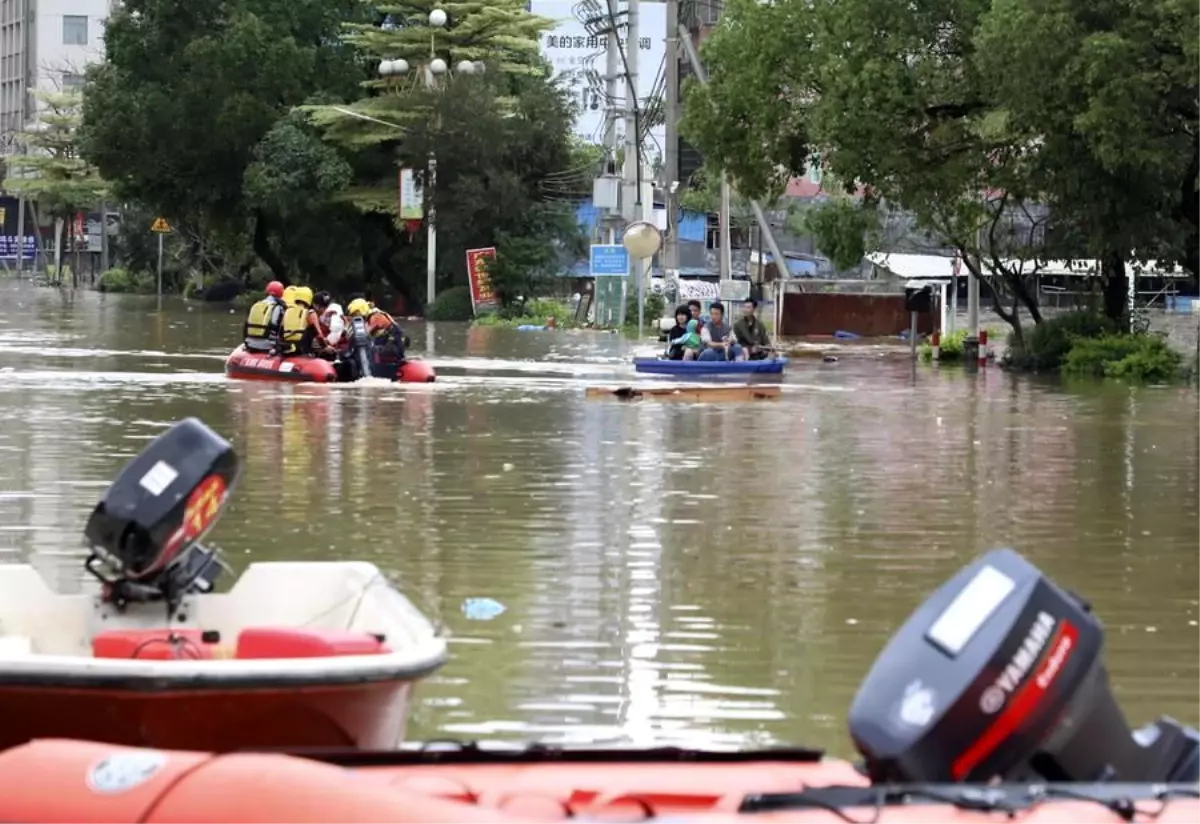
(870, 316)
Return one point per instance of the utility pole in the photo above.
(671, 153)
(612, 70)
(631, 195)
(726, 237)
(759, 215)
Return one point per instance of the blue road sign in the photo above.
(609, 261)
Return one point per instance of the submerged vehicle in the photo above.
(665, 366)
(294, 654)
(990, 703)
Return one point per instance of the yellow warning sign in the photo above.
(160, 225)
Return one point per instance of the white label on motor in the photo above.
(160, 476)
(970, 609)
(122, 772)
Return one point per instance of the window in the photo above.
(72, 81)
(75, 30)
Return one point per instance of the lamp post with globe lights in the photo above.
(431, 71)
(642, 240)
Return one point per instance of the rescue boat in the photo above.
(82, 781)
(294, 654)
(245, 364)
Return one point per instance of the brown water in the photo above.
(671, 572)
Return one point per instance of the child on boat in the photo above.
(688, 344)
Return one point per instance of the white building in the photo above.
(44, 44)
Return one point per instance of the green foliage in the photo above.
(1144, 358)
(655, 307)
(1046, 348)
(126, 281)
(750, 118)
(845, 229)
(533, 313)
(51, 170)
(951, 347)
(452, 304)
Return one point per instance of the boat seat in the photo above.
(303, 642)
(15, 646)
(154, 644)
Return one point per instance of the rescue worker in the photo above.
(386, 335)
(263, 323)
(289, 295)
(301, 329)
(331, 318)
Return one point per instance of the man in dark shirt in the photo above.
(750, 332)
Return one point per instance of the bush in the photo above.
(533, 313)
(1047, 344)
(951, 347)
(119, 280)
(452, 304)
(1134, 357)
(656, 307)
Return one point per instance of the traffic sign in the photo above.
(609, 260)
(160, 225)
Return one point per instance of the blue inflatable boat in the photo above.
(662, 366)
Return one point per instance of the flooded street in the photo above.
(672, 573)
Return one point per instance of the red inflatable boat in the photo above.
(257, 366)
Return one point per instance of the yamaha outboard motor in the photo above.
(144, 533)
(358, 355)
(998, 675)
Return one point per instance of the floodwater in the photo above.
(717, 575)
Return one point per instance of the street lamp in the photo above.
(433, 69)
(642, 240)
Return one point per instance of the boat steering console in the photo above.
(998, 676)
(145, 532)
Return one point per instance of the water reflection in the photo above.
(687, 573)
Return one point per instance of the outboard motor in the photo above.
(358, 354)
(998, 676)
(145, 531)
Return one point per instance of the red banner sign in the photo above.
(482, 296)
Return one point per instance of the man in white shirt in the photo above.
(333, 319)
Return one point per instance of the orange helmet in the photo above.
(275, 289)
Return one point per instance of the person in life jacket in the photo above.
(301, 333)
(289, 295)
(331, 318)
(264, 321)
(385, 333)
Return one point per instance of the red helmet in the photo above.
(275, 289)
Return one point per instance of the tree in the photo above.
(187, 91)
(501, 139)
(49, 170)
(892, 97)
(1112, 109)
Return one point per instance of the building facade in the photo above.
(44, 45)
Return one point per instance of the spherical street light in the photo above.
(642, 239)
(437, 18)
(465, 67)
(437, 65)
(389, 68)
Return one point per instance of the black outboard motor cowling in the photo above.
(999, 675)
(160, 506)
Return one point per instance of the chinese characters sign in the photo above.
(579, 61)
(482, 296)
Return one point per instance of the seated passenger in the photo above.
(718, 339)
(263, 323)
(690, 343)
(674, 350)
(331, 318)
(750, 333)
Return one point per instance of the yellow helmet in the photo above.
(304, 295)
(289, 295)
(358, 308)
